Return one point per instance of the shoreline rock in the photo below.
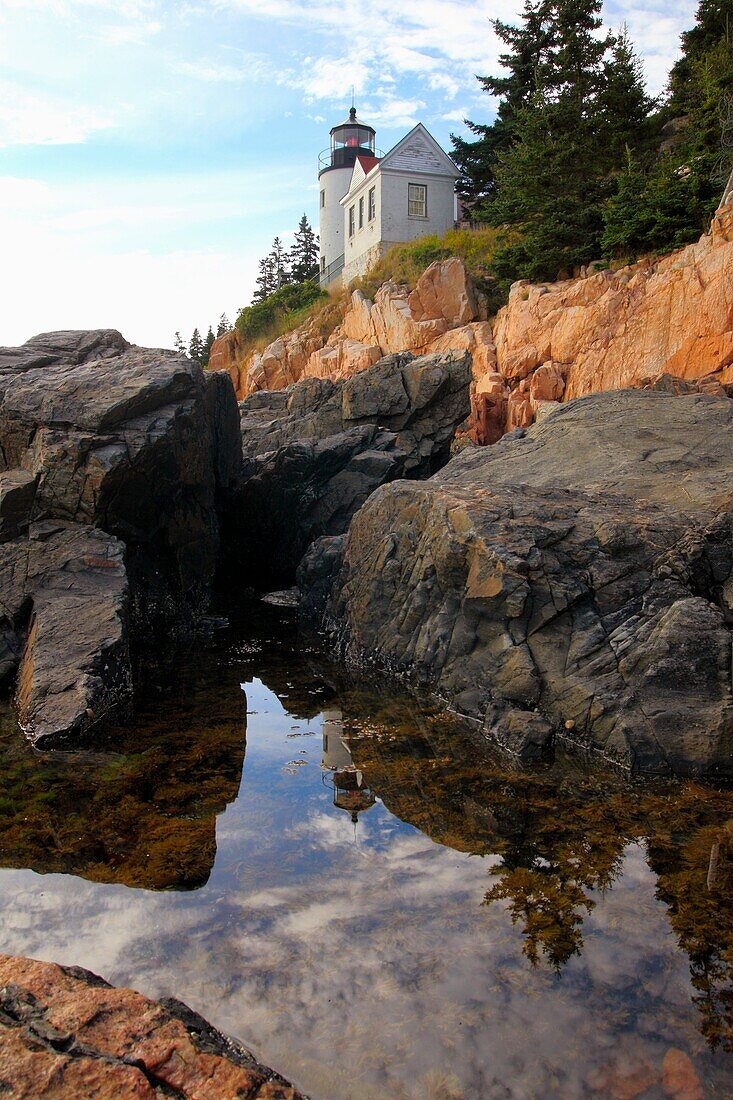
(67, 1033)
(579, 571)
(117, 461)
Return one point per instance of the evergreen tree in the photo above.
(207, 346)
(304, 254)
(526, 46)
(196, 345)
(280, 264)
(223, 326)
(179, 345)
(625, 105)
(669, 202)
(265, 282)
(551, 180)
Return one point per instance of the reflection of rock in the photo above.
(582, 570)
(139, 443)
(67, 1034)
(315, 452)
(143, 814)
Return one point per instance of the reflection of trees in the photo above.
(692, 853)
(560, 834)
(140, 810)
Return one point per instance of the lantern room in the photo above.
(349, 140)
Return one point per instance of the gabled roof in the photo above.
(419, 151)
(367, 163)
(363, 165)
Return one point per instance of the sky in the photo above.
(150, 150)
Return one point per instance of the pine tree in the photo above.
(265, 282)
(223, 326)
(207, 346)
(627, 109)
(179, 345)
(304, 254)
(196, 345)
(526, 46)
(550, 181)
(669, 202)
(280, 264)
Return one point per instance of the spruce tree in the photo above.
(179, 345)
(525, 50)
(223, 326)
(280, 264)
(265, 282)
(208, 344)
(304, 254)
(196, 345)
(550, 181)
(627, 110)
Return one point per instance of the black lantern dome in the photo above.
(349, 140)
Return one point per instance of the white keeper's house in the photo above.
(370, 201)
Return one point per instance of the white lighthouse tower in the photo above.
(349, 140)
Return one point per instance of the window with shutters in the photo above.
(417, 200)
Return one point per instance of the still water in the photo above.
(368, 896)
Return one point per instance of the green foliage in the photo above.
(653, 211)
(551, 182)
(660, 204)
(284, 308)
(525, 48)
(196, 346)
(304, 253)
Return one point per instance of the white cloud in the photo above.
(129, 34)
(30, 118)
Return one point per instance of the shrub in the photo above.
(279, 311)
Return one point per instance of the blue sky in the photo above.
(151, 150)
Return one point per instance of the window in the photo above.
(323, 198)
(323, 264)
(372, 203)
(361, 212)
(417, 200)
(351, 221)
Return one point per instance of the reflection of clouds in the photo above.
(367, 967)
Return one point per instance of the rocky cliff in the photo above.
(398, 320)
(573, 580)
(664, 316)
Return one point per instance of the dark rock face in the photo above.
(95, 433)
(581, 570)
(315, 452)
(66, 1033)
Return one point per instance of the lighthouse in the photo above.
(349, 140)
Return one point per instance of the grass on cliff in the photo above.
(291, 306)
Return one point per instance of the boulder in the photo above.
(66, 1033)
(133, 442)
(65, 613)
(580, 570)
(315, 452)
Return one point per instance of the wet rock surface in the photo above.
(134, 442)
(66, 1033)
(580, 570)
(315, 452)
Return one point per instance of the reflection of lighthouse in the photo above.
(350, 792)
